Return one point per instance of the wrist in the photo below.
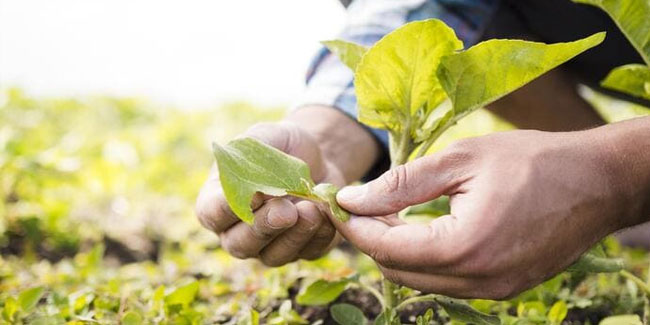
(624, 149)
(343, 141)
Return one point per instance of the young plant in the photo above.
(415, 82)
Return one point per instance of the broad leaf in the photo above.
(633, 18)
(396, 77)
(349, 53)
(346, 314)
(459, 310)
(131, 318)
(494, 68)
(558, 312)
(621, 320)
(321, 292)
(29, 298)
(633, 79)
(247, 166)
(433, 208)
(183, 295)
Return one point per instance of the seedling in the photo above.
(415, 82)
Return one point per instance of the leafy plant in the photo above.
(631, 16)
(415, 82)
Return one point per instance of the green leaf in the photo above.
(387, 317)
(327, 192)
(321, 292)
(631, 16)
(633, 79)
(590, 262)
(459, 310)
(425, 319)
(621, 320)
(434, 208)
(396, 77)
(131, 318)
(247, 166)
(492, 69)
(9, 310)
(183, 295)
(558, 312)
(346, 314)
(349, 53)
(29, 298)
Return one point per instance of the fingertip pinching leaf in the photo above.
(494, 68)
(327, 192)
(247, 166)
(349, 53)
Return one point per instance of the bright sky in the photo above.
(188, 53)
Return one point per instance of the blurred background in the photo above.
(107, 111)
(185, 53)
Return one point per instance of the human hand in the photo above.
(284, 229)
(524, 206)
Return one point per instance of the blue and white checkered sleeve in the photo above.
(329, 82)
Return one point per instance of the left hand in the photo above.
(524, 206)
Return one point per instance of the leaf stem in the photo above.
(424, 147)
(416, 299)
(640, 283)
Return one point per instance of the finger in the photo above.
(291, 139)
(272, 219)
(436, 247)
(415, 182)
(453, 286)
(213, 210)
(323, 241)
(285, 247)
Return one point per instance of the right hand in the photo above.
(284, 229)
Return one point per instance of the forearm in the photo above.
(626, 156)
(343, 141)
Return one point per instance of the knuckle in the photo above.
(271, 261)
(459, 150)
(392, 276)
(325, 233)
(396, 179)
(231, 248)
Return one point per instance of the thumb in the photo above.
(400, 187)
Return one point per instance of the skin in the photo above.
(337, 150)
(525, 204)
(520, 213)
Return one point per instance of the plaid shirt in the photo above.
(329, 82)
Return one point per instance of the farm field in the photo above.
(98, 227)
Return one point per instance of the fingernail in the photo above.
(352, 193)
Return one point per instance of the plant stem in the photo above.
(432, 138)
(390, 295)
(401, 146)
(412, 300)
(374, 292)
(640, 283)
